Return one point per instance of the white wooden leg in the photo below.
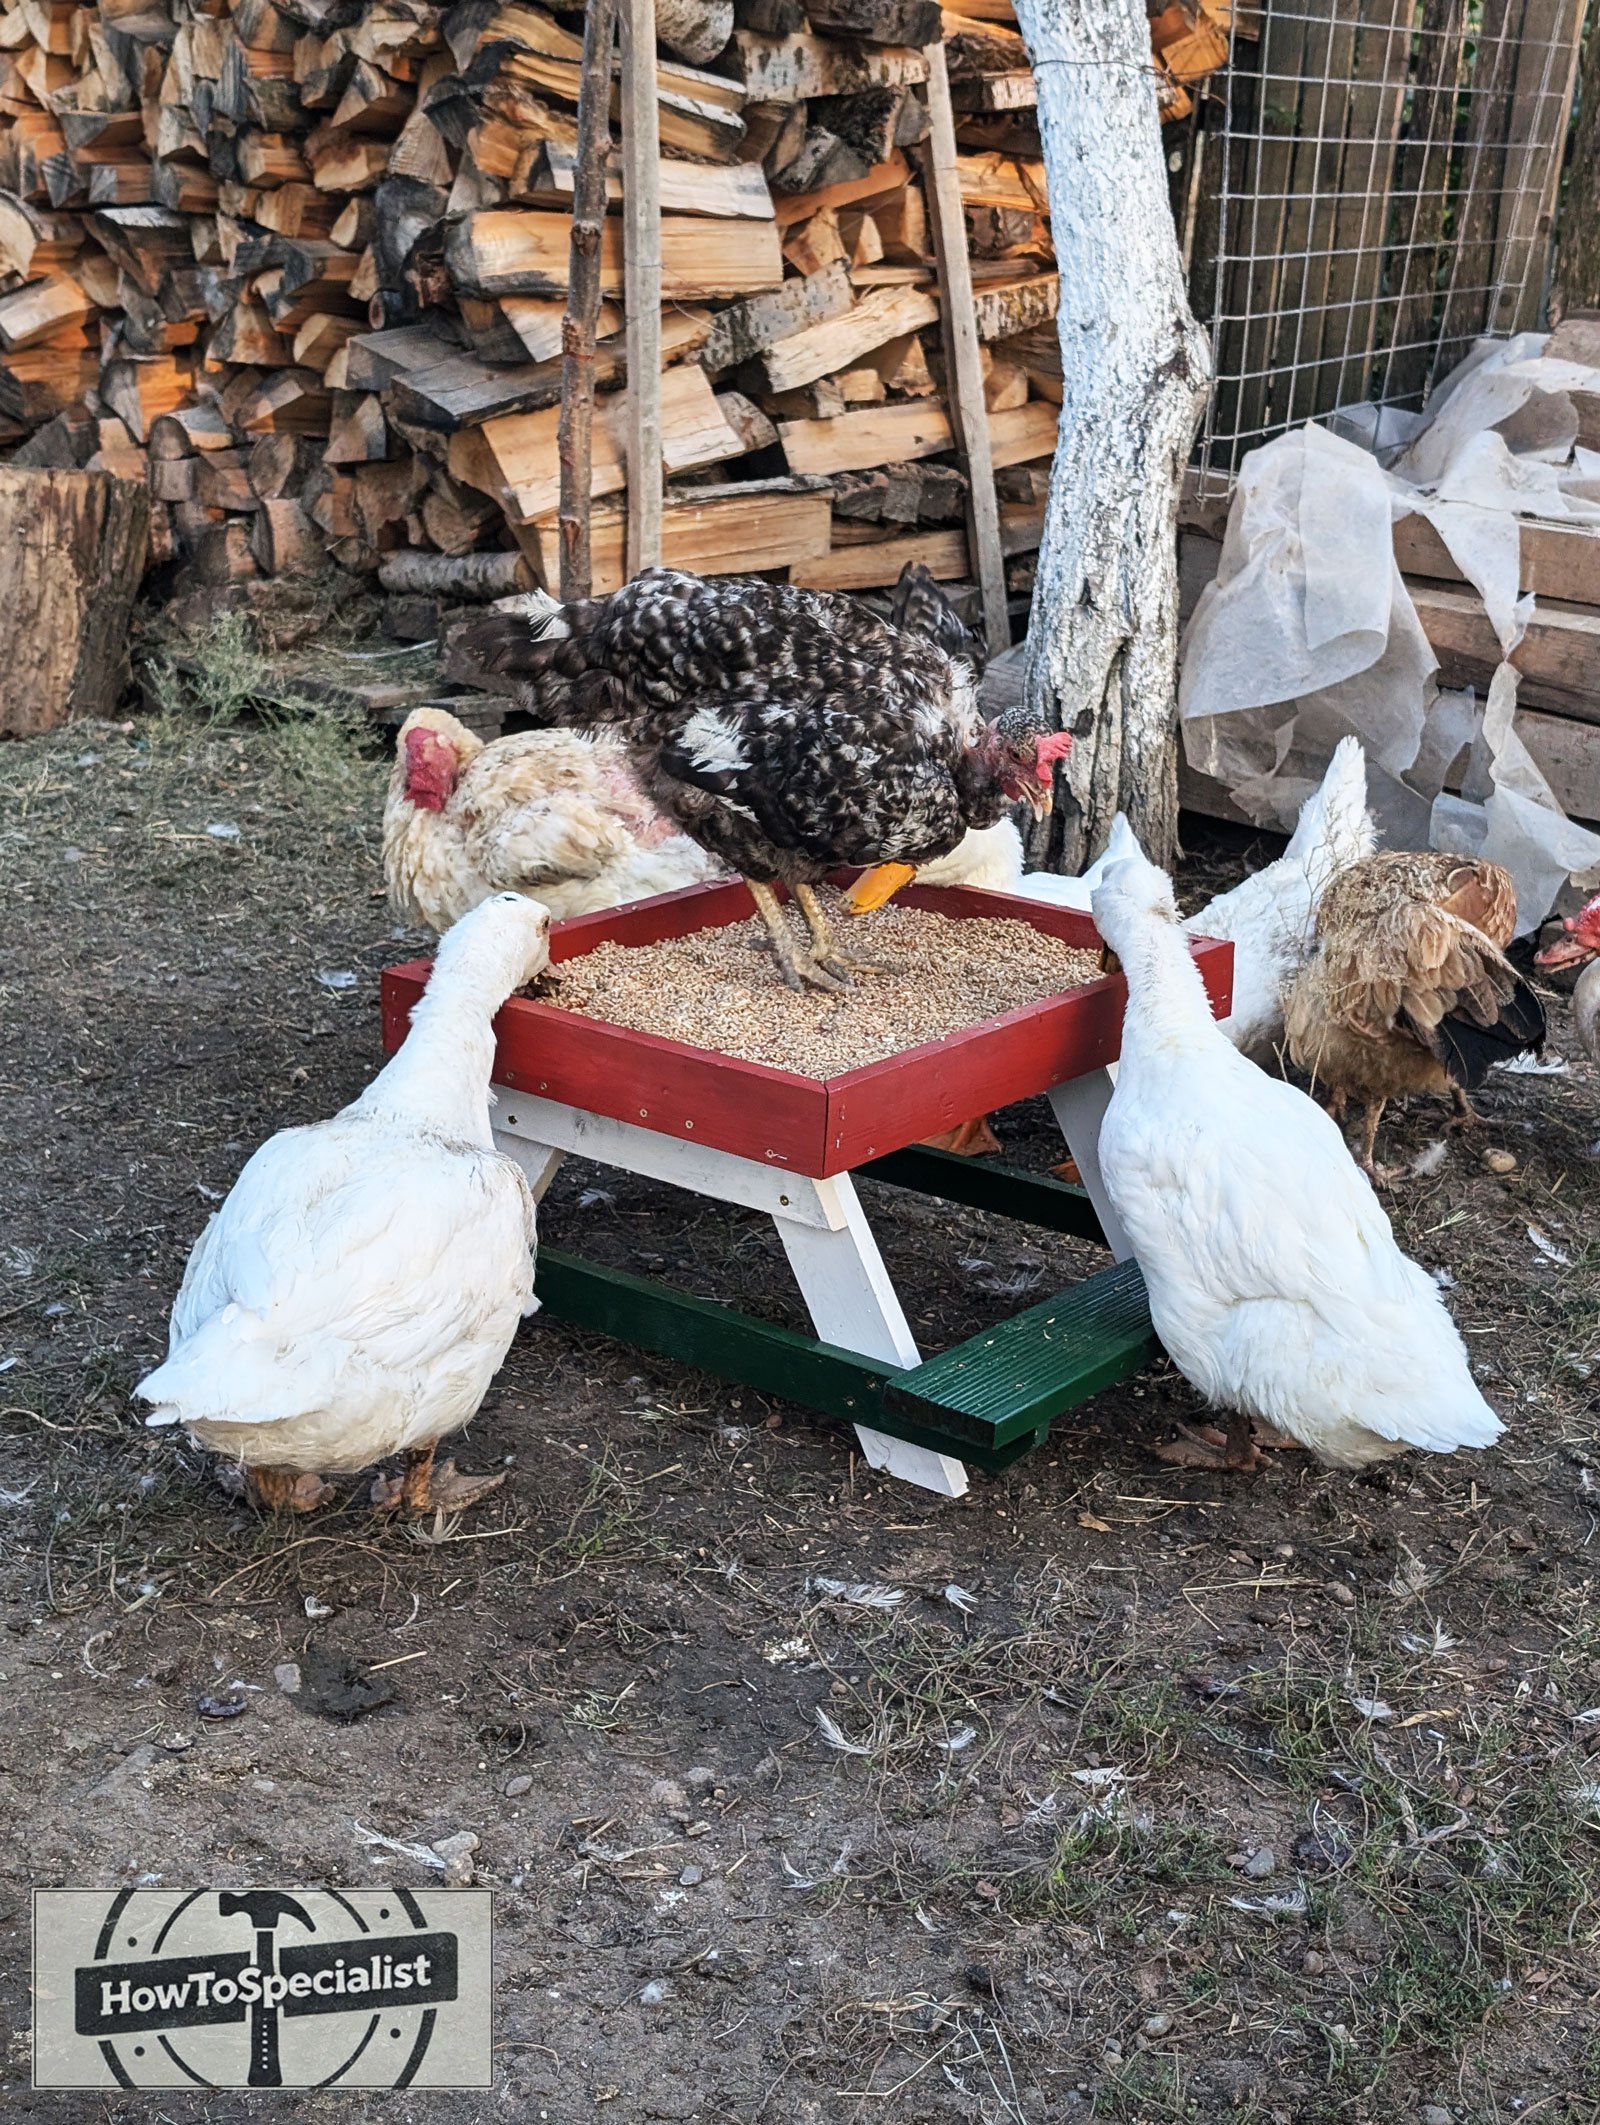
(1080, 1107)
(852, 1303)
(539, 1162)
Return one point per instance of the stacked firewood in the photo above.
(300, 266)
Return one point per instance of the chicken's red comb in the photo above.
(1053, 747)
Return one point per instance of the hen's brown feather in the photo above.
(1409, 989)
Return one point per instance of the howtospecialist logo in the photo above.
(262, 1988)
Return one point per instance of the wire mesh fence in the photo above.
(1385, 179)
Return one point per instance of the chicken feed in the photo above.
(720, 989)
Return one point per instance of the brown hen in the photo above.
(1408, 988)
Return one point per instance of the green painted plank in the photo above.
(1020, 1375)
(989, 1184)
(712, 1338)
(989, 1400)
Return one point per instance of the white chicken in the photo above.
(360, 1286)
(1274, 1279)
(546, 812)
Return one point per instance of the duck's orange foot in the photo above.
(425, 1488)
(283, 1490)
(973, 1139)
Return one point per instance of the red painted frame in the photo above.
(810, 1125)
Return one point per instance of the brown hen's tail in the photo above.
(545, 649)
(919, 607)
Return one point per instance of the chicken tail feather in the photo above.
(1468, 1050)
(544, 648)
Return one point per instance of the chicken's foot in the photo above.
(1366, 1157)
(799, 969)
(825, 948)
(1235, 1449)
(285, 1490)
(425, 1489)
(1465, 1114)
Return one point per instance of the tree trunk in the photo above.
(574, 440)
(72, 550)
(1102, 643)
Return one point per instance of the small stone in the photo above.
(655, 1993)
(1497, 1161)
(456, 1851)
(692, 1876)
(287, 1676)
(1342, 1594)
(1156, 2025)
(1313, 1963)
(1436, 2114)
(700, 1780)
(515, 1787)
(667, 1795)
(1262, 1862)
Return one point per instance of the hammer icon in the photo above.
(264, 1908)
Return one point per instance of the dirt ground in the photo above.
(1143, 1795)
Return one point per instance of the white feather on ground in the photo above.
(359, 1288)
(1275, 1282)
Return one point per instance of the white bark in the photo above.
(1102, 643)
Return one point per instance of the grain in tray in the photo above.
(718, 988)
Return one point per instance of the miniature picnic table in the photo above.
(793, 1146)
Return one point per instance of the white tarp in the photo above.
(1308, 631)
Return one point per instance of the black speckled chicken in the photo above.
(785, 731)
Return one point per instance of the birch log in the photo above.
(1102, 643)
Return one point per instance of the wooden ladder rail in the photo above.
(969, 414)
(641, 282)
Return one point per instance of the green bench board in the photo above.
(989, 1184)
(987, 1400)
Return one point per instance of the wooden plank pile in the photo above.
(299, 267)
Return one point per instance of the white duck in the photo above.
(990, 857)
(1579, 946)
(357, 1291)
(1274, 1279)
(1271, 918)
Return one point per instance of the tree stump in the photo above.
(72, 550)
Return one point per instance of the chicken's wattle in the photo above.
(430, 770)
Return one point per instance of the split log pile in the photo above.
(300, 265)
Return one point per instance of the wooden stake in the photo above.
(574, 440)
(964, 369)
(641, 221)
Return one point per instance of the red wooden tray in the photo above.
(812, 1125)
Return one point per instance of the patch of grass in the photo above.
(224, 679)
(1142, 2089)
(1112, 1863)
